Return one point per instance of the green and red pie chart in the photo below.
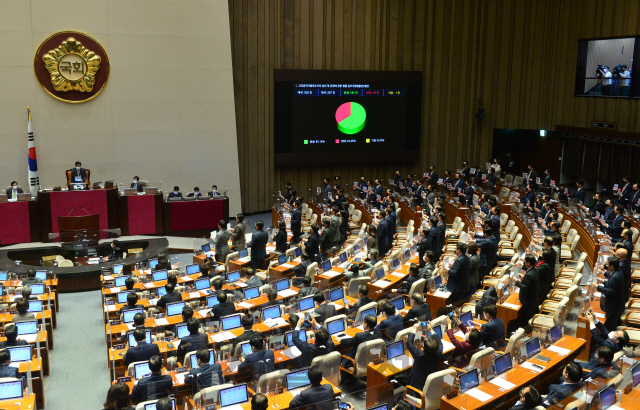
(351, 118)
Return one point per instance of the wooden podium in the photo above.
(70, 226)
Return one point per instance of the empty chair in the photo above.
(330, 365)
(209, 395)
(366, 353)
(436, 386)
(270, 381)
(571, 252)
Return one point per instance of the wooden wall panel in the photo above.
(515, 58)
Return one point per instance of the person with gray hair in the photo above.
(26, 293)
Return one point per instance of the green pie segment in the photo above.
(351, 118)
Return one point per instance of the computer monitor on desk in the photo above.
(175, 308)
(469, 380)
(234, 395)
(212, 359)
(20, 353)
(37, 289)
(127, 315)
(153, 406)
(298, 379)
(27, 327)
(10, 390)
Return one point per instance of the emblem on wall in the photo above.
(71, 66)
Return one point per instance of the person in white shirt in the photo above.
(625, 75)
(607, 81)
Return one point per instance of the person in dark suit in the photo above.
(136, 185)
(625, 192)
(364, 299)
(116, 251)
(367, 335)
(176, 193)
(163, 262)
(418, 193)
(458, 282)
(320, 396)
(322, 345)
(300, 271)
(432, 175)
(171, 296)
(205, 375)
(426, 361)
(531, 177)
(378, 193)
(447, 180)
(222, 242)
(195, 194)
(434, 234)
(468, 193)
(625, 267)
(280, 238)
(11, 333)
(529, 295)
(194, 340)
(572, 375)
(488, 252)
(634, 203)
(474, 265)
(132, 301)
(493, 329)
(30, 278)
(528, 200)
(601, 363)
(614, 229)
(155, 386)
(306, 289)
(296, 222)
(391, 222)
(138, 323)
(580, 194)
(602, 337)
(495, 222)
(383, 237)
(424, 245)
(14, 191)
(529, 399)
(214, 191)
(312, 245)
(260, 361)
(392, 323)
(613, 291)
(5, 369)
(325, 310)
(224, 308)
(414, 276)
(237, 235)
(546, 274)
(247, 323)
(258, 246)
(272, 296)
(326, 240)
(143, 351)
(420, 309)
(80, 172)
(442, 227)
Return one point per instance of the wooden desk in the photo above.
(508, 313)
(35, 365)
(44, 350)
(26, 403)
(395, 280)
(281, 401)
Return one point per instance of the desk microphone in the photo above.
(71, 211)
(85, 210)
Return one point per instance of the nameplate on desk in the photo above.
(287, 265)
(124, 379)
(107, 277)
(210, 407)
(108, 286)
(111, 302)
(378, 360)
(118, 347)
(114, 322)
(180, 370)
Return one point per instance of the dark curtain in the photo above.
(590, 157)
(605, 163)
(571, 157)
(621, 164)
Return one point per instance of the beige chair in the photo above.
(511, 238)
(505, 192)
(230, 257)
(493, 281)
(291, 253)
(482, 359)
(355, 283)
(566, 226)
(511, 344)
(356, 218)
(404, 334)
(366, 353)
(312, 269)
(330, 365)
(507, 230)
(572, 234)
(270, 381)
(59, 258)
(504, 219)
(417, 287)
(507, 252)
(65, 264)
(558, 315)
(436, 386)
(131, 366)
(209, 395)
(571, 252)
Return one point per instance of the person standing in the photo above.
(237, 237)
(222, 242)
(625, 77)
(529, 290)
(458, 282)
(258, 246)
(326, 191)
(613, 290)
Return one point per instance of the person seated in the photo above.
(420, 309)
(164, 403)
(138, 323)
(427, 360)
(529, 399)
(135, 184)
(319, 396)
(214, 191)
(187, 313)
(6, 370)
(353, 271)
(171, 296)
(391, 324)
(363, 300)
(78, 174)
(367, 335)
(300, 271)
(306, 289)
(615, 340)
(163, 263)
(26, 293)
(155, 386)
(118, 398)
(251, 279)
(195, 194)
(217, 285)
(414, 276)
(128, 284)
(489, 297)
(272, 296)
(11, 333)
(132, 303)
(193, 341)
(259, 402)
(116, 252)
(205, 375)
(472, 338)
(176, 193)
(143, 351)
(22, 306)
(572, 374)
(323, 309)
(323, 343)
(30, 278)
(493, 329)
(224, 308)
(260, 361)
(247, 324)
(14, 191)
(601, 364)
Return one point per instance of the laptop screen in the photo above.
(306, 303)
(302, 335)
(282, 259)
(465, 317)
(119, 281)
(175, 309)
(282, 285)
(161, 291)
(203, 283)
(298, 379)
(194, 359)
(636, 376)
(395, 349)
(122, 296)
(407, 254)
(337, 294)
(243, 253)
(212, 301)
(395, 263)
(335, 326)
(132, 339)
(326, 265)
(438, 330)
(607, 396)
(3, 275)
(29, 327)
(556, 333)
(343, 257)
(191, 269)
(1, 290)
(35, 306)
(437, 281)
(181, 331)
(251, 293)
(398, 303)
(206, 247)
(117, 268)
(468, 381)
(37, 288)
(231, 322)
(152, 406)
(141, 369)
(533, 347)
(382, 407)
(271, 312)
(234, 395)
(11, 390)
(371, 311)
(233, 276)
(20, 353)
(41, 274)
(503, 363)
(298, 251)
(160, 275)
(153, 262)
(127, 315)
(380, 273)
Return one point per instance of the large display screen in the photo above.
(355, 116)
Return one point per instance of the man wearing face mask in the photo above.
(14, 191)
(116, 252)
(78, 174)
(176, 193)
(135, 184)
